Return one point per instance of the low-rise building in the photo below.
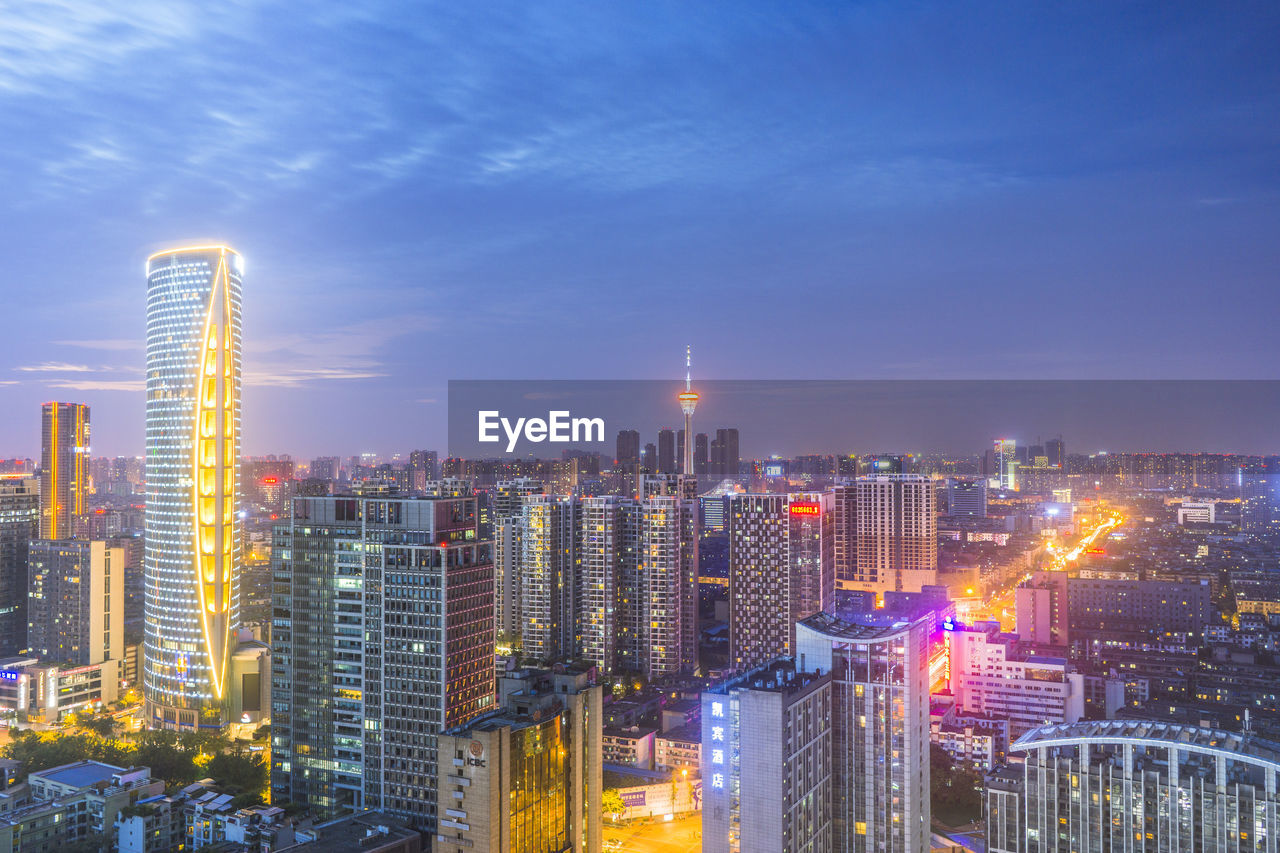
(72, 804)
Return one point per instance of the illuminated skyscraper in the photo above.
(879, 729)
(19, 522)
(1004, 473)
(193, 483)
(64, 468)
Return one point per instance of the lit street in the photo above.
(682, 835)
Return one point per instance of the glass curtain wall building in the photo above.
(193, 483)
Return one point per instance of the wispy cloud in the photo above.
(112, 344)
(99, 384)
(55, 367)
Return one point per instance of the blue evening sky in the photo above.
(429, 191)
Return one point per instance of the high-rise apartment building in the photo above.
(671, 529)
(193, 484)
(610, 549)
(549, 565)
(19, 524)
(781, 569)
(628, 447)
(525, 778)
(767, 762)
(897, 533)
(383, 637)
(638, 599)
(700, 457)
(759, 585)
(423, 467)
(64, 469)
(506, 506)
(1136, 785)
(76, 601)
(879, 729)
(325, 468)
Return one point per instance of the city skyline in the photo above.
(831, 169)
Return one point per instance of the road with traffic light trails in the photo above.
(681, 835)
(999, 606)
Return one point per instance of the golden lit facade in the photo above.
(64, 468)
(193, 483)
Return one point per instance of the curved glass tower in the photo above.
(192, 553)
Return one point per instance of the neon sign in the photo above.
(806, 509)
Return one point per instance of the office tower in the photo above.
(688, 403)
(897, 533)
(700, 454)
(967, 497)
(76, 601)
(506, 508)
(767, 763)
(19, 524)
(992, 674)
(527, 777)
(549, 577)
(1137, 785)
(724, 461)
(628, 447)
(64, 469)
(879, 729)
(610, 548)
(1055, 452)
(1041, 610)
(781, 569)
(383, 637)
(1004, 456)
(666, 452)
(193, 484)
(844, 533)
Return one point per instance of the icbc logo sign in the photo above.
(477, 754)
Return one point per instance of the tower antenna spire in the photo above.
(688, 402)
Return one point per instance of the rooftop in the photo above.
(81, 774)
(1233, 745)
(842, 629)
(367, 830)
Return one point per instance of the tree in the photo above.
(239, 771)
(953, 790)
(611, 802)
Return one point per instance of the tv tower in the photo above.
(688, 402)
